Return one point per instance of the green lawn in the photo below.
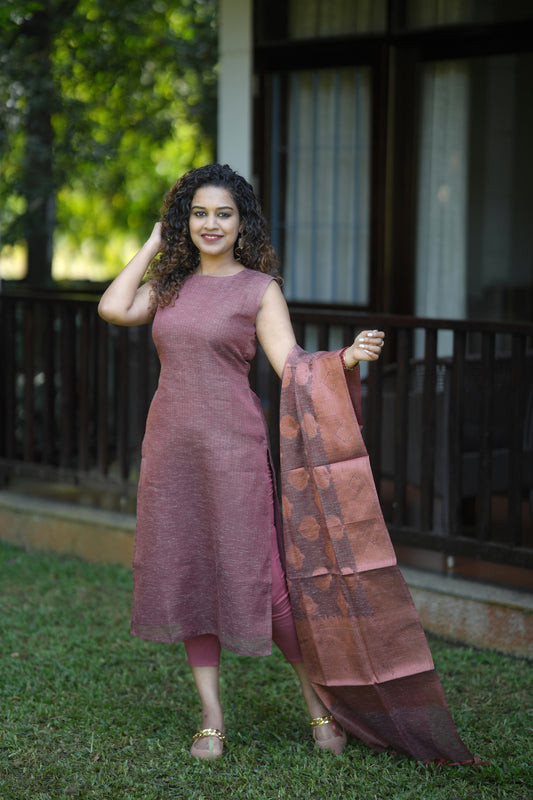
(91, 712)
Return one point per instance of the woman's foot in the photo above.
(208, 744)
(328, 735)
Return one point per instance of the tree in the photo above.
(104, 104)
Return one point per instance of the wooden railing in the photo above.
(76, 392)
(448, 423)
(448, 414)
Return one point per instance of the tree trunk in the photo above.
(39, 163)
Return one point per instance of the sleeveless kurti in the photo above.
(202, 555)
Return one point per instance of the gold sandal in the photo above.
(336, 742)
(212, 734)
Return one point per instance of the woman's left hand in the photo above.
(367, 346)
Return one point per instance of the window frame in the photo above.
(393, 57)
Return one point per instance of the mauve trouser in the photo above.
(204, 651)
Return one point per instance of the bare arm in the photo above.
(274, 327)
(125, 302)
(276, 336)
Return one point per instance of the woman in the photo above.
(207, 568)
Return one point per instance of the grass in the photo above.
(91, 712)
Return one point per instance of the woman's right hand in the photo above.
(155, 239)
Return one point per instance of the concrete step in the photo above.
(471, 612)
(94, 534)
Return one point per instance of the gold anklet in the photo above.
(209, 732)
(321, 720)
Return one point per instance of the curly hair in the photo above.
(179, 257)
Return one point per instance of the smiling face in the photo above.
(214, 222)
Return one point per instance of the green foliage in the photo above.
(130, 90)
(91, 712)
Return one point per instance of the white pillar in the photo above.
(234, 144)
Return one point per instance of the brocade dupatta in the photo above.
(361, 638)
